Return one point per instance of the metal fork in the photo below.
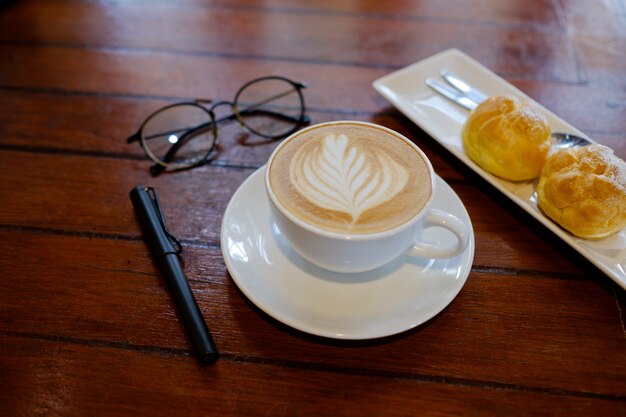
(462, 93)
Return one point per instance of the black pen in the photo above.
(162, 244)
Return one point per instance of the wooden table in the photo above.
(87, 326)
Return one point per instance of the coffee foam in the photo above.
(350, 178)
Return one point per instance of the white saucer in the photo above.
(389, 300)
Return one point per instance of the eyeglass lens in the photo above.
(270, 107)
(181, 134)
(184, 134)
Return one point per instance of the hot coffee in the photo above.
(349, 177)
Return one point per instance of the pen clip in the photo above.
(155, 201)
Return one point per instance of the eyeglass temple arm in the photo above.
(134, 138)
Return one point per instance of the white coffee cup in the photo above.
(358, 252)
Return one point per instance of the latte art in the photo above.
(350, 177)
(337, 176)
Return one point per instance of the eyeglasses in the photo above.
(184, 135)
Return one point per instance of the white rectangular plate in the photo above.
(443, 120)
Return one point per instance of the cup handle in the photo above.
(448, 221)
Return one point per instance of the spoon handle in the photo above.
(463, 86)
(451, 94)
(462, 93)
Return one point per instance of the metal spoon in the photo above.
(468, 97)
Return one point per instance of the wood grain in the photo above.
(120, 298)
(392, 44)
(87, 326)
(40, 121)
(171, 385)
(57, 198)
(158, 74)
(82, 125)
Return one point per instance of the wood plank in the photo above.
(599, 37)
(46, 122)
(545, 13)
(340, 89)
(166, 75)
(75, 122)
(583, 108)
(57, 192)
(598, 18)
(598, 56)
(86, 324)
(329, 37)
(82, 194)
(598, 34)
(109, 291)
(228, 388)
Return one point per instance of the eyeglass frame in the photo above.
(161, 166)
